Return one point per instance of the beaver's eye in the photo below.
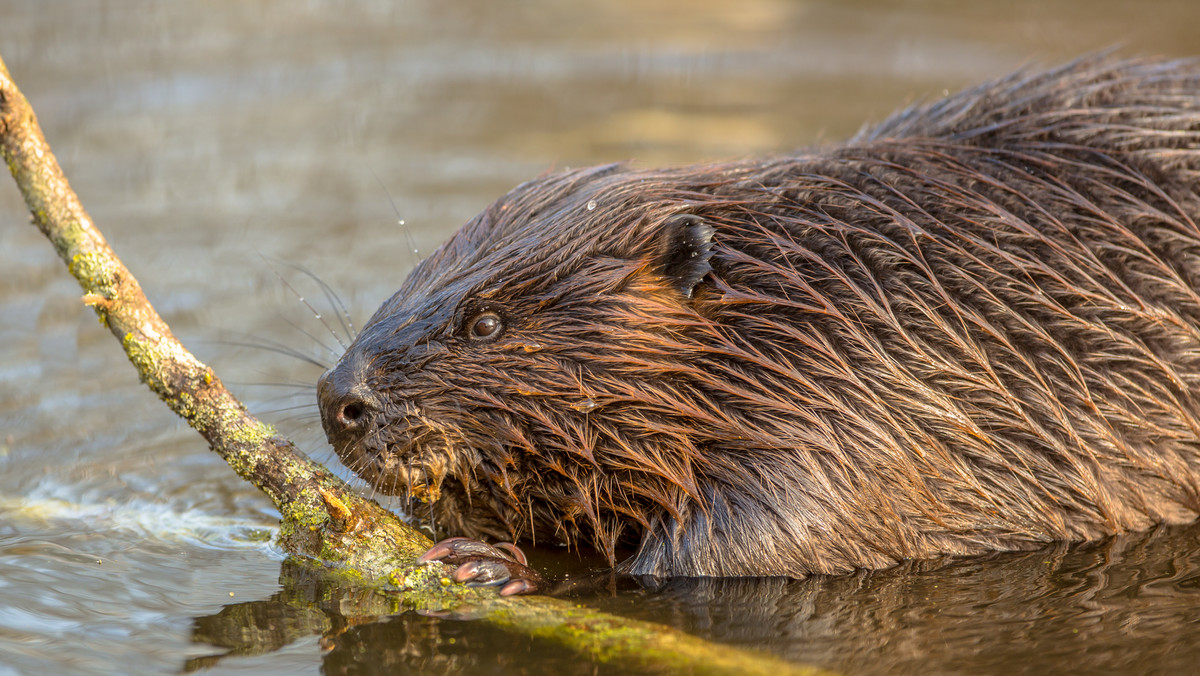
(485, 326)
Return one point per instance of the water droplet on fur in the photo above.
(585, 405)
(532, 347)
(591, 205)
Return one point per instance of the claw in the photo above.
(520, 586)
(481, 564)
(517, 554)
(435, 553)
(466, 572)
(483, 572)
(463, 548)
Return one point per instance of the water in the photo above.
(219, 144)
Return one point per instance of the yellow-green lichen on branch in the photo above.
(608, 639)
(252, 435)
(148, 361)
(143, 359)
(95, 273)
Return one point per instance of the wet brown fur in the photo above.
(973, 327)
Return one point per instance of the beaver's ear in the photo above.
(685, 245)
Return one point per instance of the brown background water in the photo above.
(217, 144)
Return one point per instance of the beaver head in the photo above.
(518, 379)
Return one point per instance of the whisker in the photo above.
(288, 384)
(320, 343)
(268, 345)
(331, 296)
(432, 520)
(304, 301)
(412, 244)
(299, 417)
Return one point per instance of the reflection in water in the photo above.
(1128, 604)
(362, 631)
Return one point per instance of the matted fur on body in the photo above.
(973, 327)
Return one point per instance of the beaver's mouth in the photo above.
(440, 493)
(399, 454)
(398, 470)
(430, 466)
(420, 481)
(459, 511)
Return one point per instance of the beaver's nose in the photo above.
(347, 404)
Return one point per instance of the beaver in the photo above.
(972, 327)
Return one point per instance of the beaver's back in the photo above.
(978, 323)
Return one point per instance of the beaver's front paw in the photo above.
(482, 564)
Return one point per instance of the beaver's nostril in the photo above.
(346, 403)
(352, 414)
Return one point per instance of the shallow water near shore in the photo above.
(219, 146)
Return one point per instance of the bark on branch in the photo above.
(322, 518)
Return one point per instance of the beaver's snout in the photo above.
(347, 404)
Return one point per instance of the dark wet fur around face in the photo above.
(973, 327)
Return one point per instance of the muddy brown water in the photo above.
(219, 145)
